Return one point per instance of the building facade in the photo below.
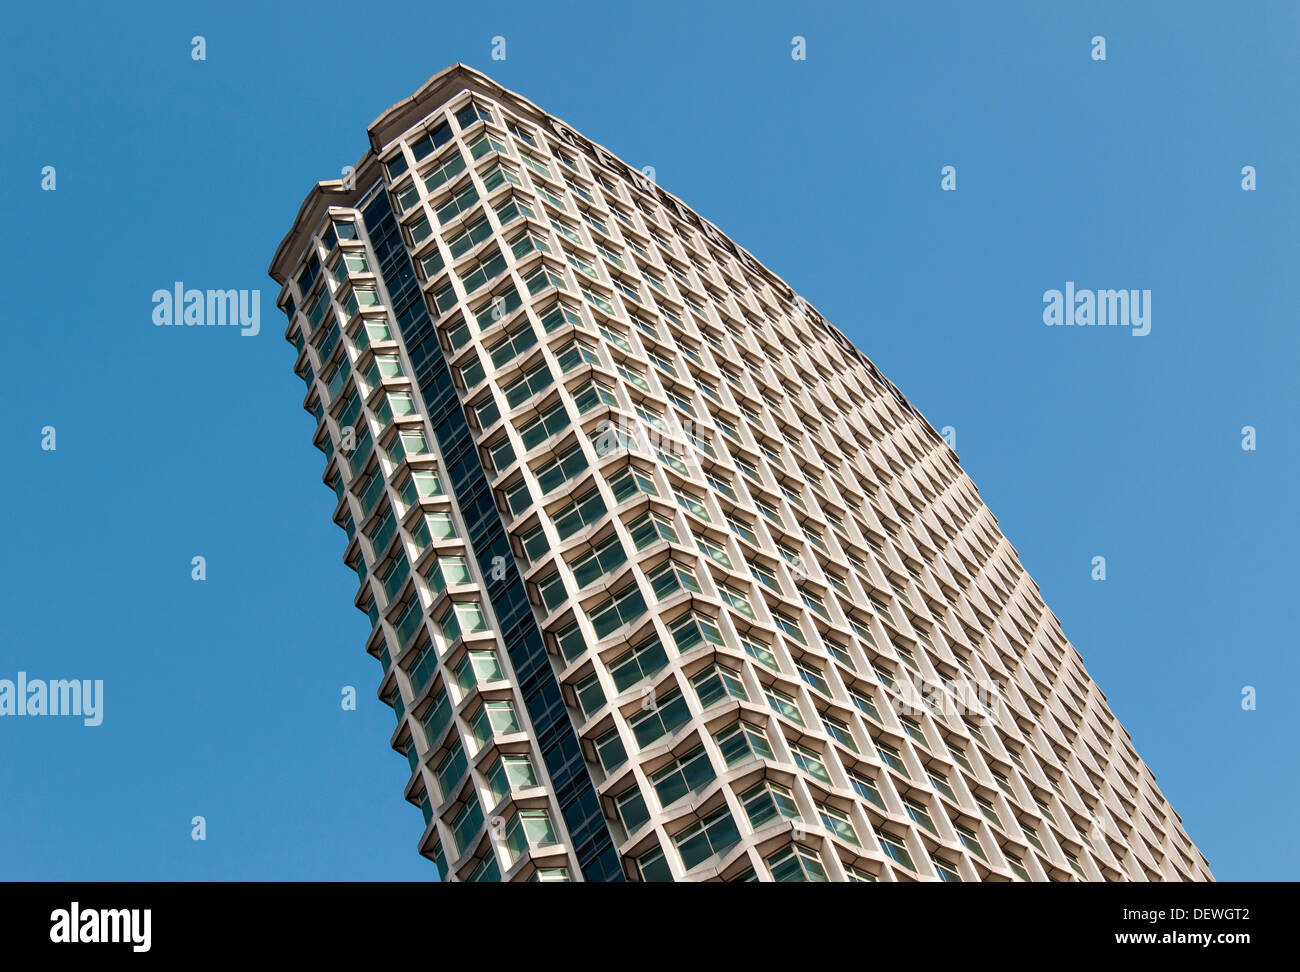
(666, 580)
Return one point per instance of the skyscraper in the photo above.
(666, 580)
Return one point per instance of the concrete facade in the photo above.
(668, 582)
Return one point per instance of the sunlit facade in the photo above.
(666, 580)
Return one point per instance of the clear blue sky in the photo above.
(222, 697)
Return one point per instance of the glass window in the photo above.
(662, 719)
(708, 837)
(638, 662)
(716, 683)
(683, 775)
(768, 801)
(796, 863)
(743, 741)
(837, 822)
(624, 607)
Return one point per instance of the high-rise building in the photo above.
(666, 580)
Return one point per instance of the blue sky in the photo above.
(221, 698)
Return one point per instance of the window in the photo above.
(683, 775)
(760, 652)
(466, 824)
(575, 353)
(814, 602)
(610, 751)
(631, 375)
(691, 504)
(891, 757)
(840, 732)
(666, 717)
(672, 577)
(632, 480)
(959, 757)
(581, 265)
(721, 486)
(768, 801)
(632, 810)
(764, 577)
(437, 717)
(624, 607)
(420, 482)
(940, 783)
(486, 143)
(525, 387)
(694, 629)
(521, 133)
(714, 552)
(796, 863)
(536, 164)
(788, 625)
(542, 278)
(491, 718)
(918, 812)
(422, 148)
(569, 641)
(710, 836)
(837, 822)
(472, 113)
(472, 371)
(511, 208)
(946, 870)
(450, 769)
(782, 703)
(810, 762)
(486, 871)
(526, 828)
(529, 241)
(736, 599)
(986, 808)
(512, 345)
(498, 174)
(561, 469)
(914, 731)
(813, 678)
(572, 517)
(718, 682)
(867, 788)
(510, 771)
(970, 840)
(551, 422)
(440, 175)
(653, 867)
(896, 850)
(743, 741)
(589, 694)
(598, 562)
(468, 238)
(461, 201)
(638, 662)
(651, 527)
(593, 393)
(741, 530)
